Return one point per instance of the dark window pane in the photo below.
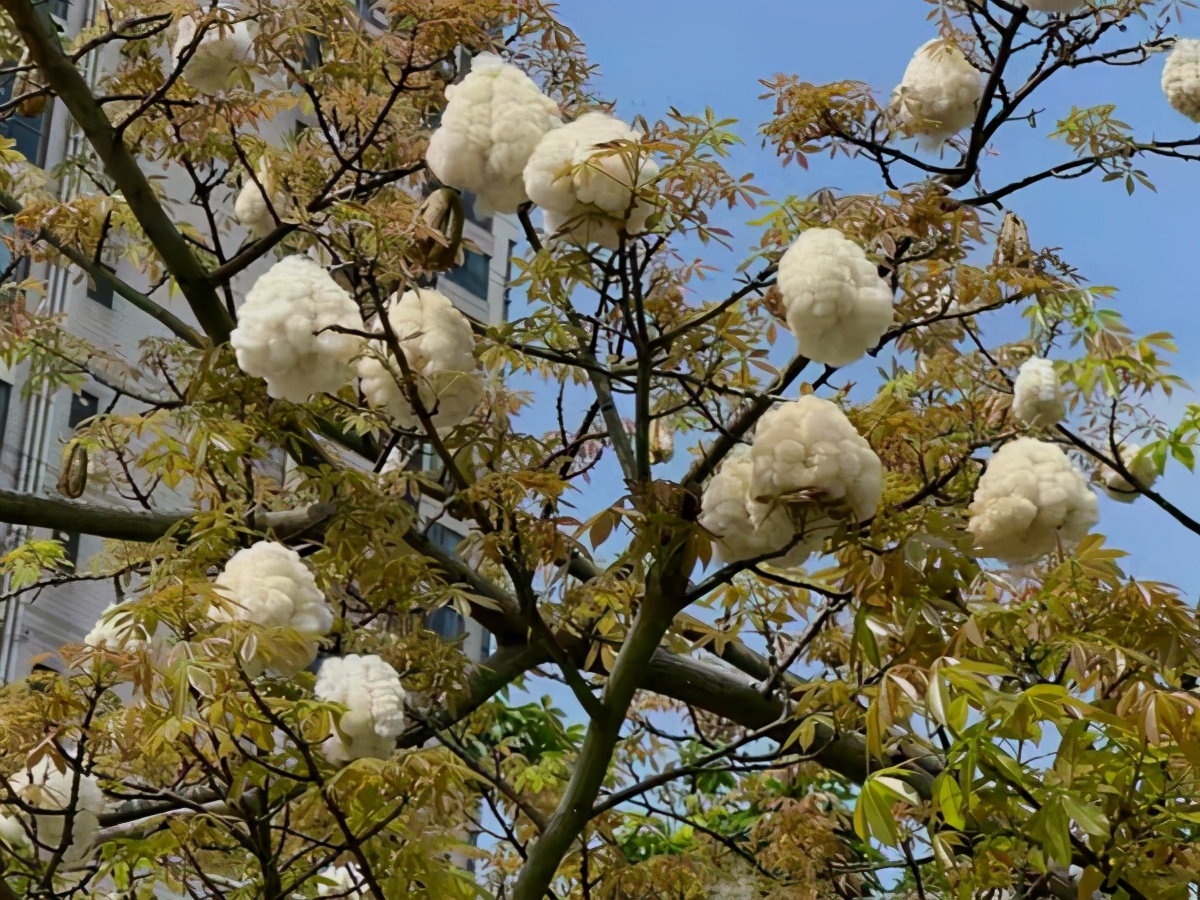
(101, 292)
(447, 623)
(83, 406)
(312, 52)
(25, 130)
(5, 396)
(468, 201)
(370, 15)
(18, 273)
(70, 542)
(444, 538)
(59, 8)
(472, 275)
(510, 251)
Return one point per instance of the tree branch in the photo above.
(69, 85)
(104, 275)
(119, 524)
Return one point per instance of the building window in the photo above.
(444, 538)
(5, 395)
(446, 622)
(510, 252)
(58, 9)
(369, 11)
(70, 542)
(83, 406)
(100, 291)
(27, 131)
(469, 202)
(473, 275)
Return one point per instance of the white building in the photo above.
(34, 429)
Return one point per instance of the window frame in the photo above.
(79, 409)
(5, 404)
(463, 278)
(102, 293)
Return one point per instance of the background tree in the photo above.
(963, 693)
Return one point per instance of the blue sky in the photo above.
(690, 54)
(654, 54)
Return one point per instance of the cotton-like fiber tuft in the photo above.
(494, 119)
(284, 331)
(939, 94)
(586, 190)
(1030, 498)
(836, 304)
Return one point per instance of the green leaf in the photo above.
(949, 799)
(1184, 454)
(1090, 881)
(1089, 818)
(1052, 829)
(873, 815)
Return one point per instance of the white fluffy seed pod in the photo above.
(743, 528)
(585, 189)
(45, 787)
(222, 50)
(837, 305)
(1037, 396)
(250, 207)
(1060, 7)
(116, 630)
(12, 833)
(808, 445)
(281, 334)
(268, 584)
(346, 883)
(1181, 78)
(370, 690)
(493, 121)
(1030, 498)
(1117, 487)
(439, 347)
(939, 94)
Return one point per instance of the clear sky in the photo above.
(655, 54)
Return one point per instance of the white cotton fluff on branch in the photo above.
(282, 331)
(251, 208)
(1181, 78)
(117, 630)
(939, 94)
(345, 883)
(45, 787)
(585, 186)
(494, 119)
(809, 447)
(743, 528)
(222, 50)
(12, 833)
(370, 690)
(439, 349)
(1054, 6)
(1030, 498)
(1037, 395)
(837, 306)
(1117, 487)
(268, 584)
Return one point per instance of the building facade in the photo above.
(35, 426)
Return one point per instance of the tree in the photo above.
(963, 694)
